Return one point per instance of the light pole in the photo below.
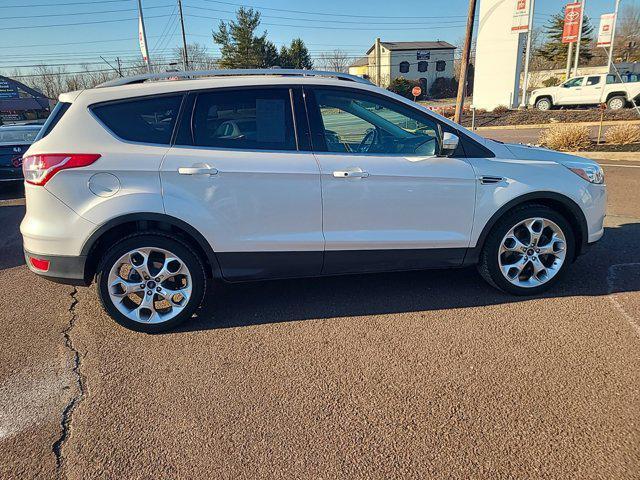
(577, 59)
(527, 55)
(613, 35)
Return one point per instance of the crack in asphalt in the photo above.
(67, 413)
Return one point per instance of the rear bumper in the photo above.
(61, 269)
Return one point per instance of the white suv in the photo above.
(152, 187)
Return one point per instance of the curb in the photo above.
(628, 156)
(547, 125)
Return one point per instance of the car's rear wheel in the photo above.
(544, 104)
(150, 282)
(528, 250)
(616, 103)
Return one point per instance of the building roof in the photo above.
(438, 45)
(361, 62)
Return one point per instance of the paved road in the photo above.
(413, 375)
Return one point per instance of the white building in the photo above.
(424, 61)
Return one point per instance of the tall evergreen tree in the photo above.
(554, 50)
(295, 56)
(240, 46)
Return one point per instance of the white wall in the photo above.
(496, 70)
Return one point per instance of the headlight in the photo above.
(592, 173)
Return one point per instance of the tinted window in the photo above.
(440, 65)
(404, 67)
(359, 123)
(20, 135)
(58, 111)
(422, 66)
(245, 119)
(148, 120)
(593, 80)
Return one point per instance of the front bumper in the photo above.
(60, 269)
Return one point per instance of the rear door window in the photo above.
(145, 120)
(251, 119)
(593, 80)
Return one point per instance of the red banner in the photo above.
(572, 16)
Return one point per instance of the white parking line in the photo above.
(611, 279)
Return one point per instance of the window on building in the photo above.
(440, 65)
(593, 80)
(404, 67)
(249, 119)
(422, 66)
(148, 120)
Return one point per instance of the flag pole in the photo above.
(142, 37)
(613, 36)
(577, 59)
(527, 55)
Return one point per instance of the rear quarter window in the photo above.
(145, 120)
(58, 111)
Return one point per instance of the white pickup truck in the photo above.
(590, 90)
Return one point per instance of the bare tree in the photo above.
(336, 61)
(199, 58)
(627, 43)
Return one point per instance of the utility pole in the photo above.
(185, 58)
(577, 59)
(527, 55)
(568, 71)
(466, 52)
(378, 56)
(119, 66)
(613, 36)
(142, 37)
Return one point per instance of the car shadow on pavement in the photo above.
(11, 254)
(238, 305)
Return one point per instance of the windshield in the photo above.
(18, 135)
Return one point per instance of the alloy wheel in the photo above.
(149, 285)
(532, 252)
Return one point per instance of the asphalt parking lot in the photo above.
(415, 375)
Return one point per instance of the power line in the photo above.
(63, 4)
(22, 27)
(84, 13)
(324, 27)
(323, 13)
(329, 20)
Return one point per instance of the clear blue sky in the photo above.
(348, 25)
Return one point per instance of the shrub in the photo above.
(444, 88)
(567, 138)
(551, 82)
(623, 134)
(402, 86)
(500, 109)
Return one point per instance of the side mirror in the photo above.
(449, 144)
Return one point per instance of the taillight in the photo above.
(38, 169)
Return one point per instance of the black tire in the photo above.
(544, 104)
(488, 265)
(157, 240)
(617, 103)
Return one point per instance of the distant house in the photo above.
(424, 61)
(19, 102)
(360, 67)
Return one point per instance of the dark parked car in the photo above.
(14, 141)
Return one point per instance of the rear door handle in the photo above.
(355, 173)
(198, 169)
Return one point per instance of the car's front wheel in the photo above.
(151, 282)
(527, 251)
(544, 104)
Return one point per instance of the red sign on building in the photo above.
(572, 16)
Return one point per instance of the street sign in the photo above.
(572, 15)
(416, 92)
(521, 16)
(606, 29)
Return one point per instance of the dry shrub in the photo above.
(623, 134)
(566, 138)
(501, 109)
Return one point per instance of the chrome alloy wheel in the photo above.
(149, 285)
(532, 252)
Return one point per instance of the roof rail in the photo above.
(285, 72)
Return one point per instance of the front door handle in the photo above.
(198, 169)
(354, 173)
